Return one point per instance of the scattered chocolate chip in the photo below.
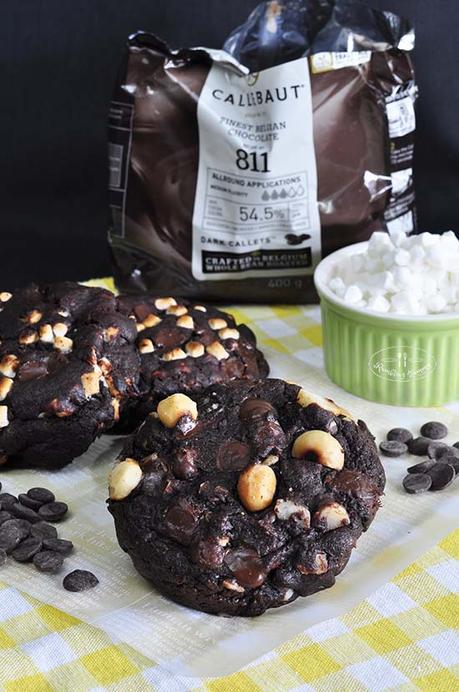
(3, 556)
(434, 430)
(43, 530)
(27, 549)
(400, 435)
(416, 483)
(80, 580)
(233, 456)
(4, 516)
(436, 449)
(28, 502)
(58, 545)
(6, 500)
(393, 448)
(53, 511)
(42, 495)
(441, 475)
(456, 444)
(419, 445)
(22, 512)
(12, 532)
(452, 461)
(422, 467)
(48, 561)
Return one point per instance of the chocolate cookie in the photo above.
(185, 347)
(68, 362)
(245, 496)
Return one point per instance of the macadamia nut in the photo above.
(174, 407)
(124, 478)
(319, 446)
(256, 487)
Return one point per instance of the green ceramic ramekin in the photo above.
(391, 359)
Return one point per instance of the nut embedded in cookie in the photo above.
(319, 446)
(124, 478)
(176, 406)
(256, 487)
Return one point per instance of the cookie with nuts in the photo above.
(186, 347)
(245, 496)
(68, 363)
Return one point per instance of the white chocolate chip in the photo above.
(60, 329)
(151, 320)
(63, 344)
(28, 338)
(5, 296)
(146, 346)
(228, 333)
(5, 387)
(285, 509)
(195, 349)
(46, 334)
(306, 399)
(318, 566)
(105, 365)
(174, 407)
(201, 308)
(91, 383)
(4, 416)
(8, 365)
(111, 333)
(270, 460)
(164, 303)
(175, 354)
(319, 446)
(217, 323)
(186, 321)
(232, 585)
(116, 410)
(124, 478)
(331, 516)
(177, 310)
(33, 316)
(216, 349)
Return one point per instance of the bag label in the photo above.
(255, 212)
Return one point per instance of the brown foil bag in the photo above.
(154, 150)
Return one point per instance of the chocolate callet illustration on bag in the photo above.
(233, 172)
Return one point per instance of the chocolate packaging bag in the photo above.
(233, 172)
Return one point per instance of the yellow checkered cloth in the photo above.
(403, 637)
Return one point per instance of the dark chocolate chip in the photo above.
(393, 448)
(4, 516)
(452, 461)
(27, 549)
(53, 511)
(43, 530)
(48, 561)
(22, 512)
(419, 445)
(416, 483)
(456, 444)
(434, 430)
(233, 456)
(436, 449)
(6, 500)
(400, 435)
(255, 410)
(80, 580)
(59, 545)
(3, 556)
(12, 532)
(442, 475)
(32, 369)
(28, 502)
(42, 495)
(247, 567)
(422, 467)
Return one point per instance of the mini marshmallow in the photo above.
(405, 275)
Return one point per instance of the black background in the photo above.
(58, 61)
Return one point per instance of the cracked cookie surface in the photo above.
(186, 347)
(245, 496)
(68, 363)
